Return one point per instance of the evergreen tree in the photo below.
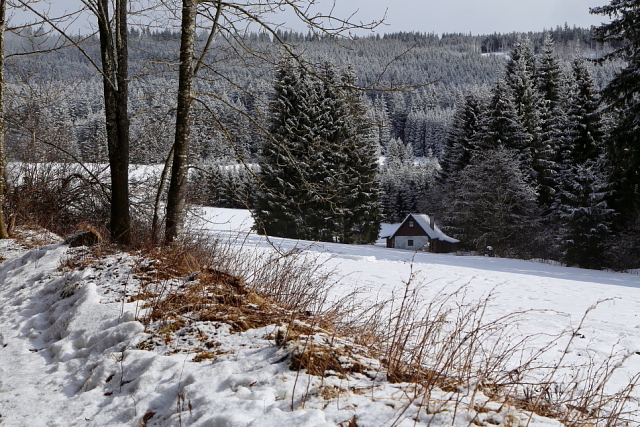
(381, 121)
(279, 206)
(350, 158)
(492, 204)
(586, 217)
(553, 123)
(458, 143)
(622, 95)
(520, 80)
(500, 128)
(520, 77)
(584, 117)
(549, 74)
(318, 168)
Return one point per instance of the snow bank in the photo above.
(71, 353)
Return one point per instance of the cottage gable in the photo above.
(418, 231)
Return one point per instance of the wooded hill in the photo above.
(413, 83)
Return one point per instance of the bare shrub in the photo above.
(295, 279)
(56, 196)
(449, 345)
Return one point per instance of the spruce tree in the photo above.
(318, 168)
(622, 95)
(548, 73)
(280, 203)
(500, 127)
(585, 119)
(458, 143)
(520, 77)
(553, 123)
(492, 204)
(586, 217)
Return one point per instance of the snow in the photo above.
(433, 233)
(71, 353)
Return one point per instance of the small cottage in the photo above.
(418, 231)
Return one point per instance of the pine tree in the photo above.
(280, 203)
(622, 95)
(585, 119)
(553, 123)
(500, 127)
(318, 168)
(458, 143)
(520, 76)
(586, 217)
(549, 74)
(361, 221)
(381, 121)
(492, 204)
(520, 80)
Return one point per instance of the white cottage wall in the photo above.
(402, 242)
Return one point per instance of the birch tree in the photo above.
(176, 195)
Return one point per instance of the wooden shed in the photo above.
(419, 232)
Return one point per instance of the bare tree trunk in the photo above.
(3, 14)
(155, 224)
(178, 184)
(115, 82)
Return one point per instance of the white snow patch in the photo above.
(69, 339)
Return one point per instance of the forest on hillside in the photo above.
(413, 83)
(435, 105)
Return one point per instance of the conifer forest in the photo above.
(525, 143)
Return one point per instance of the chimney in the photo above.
(431, 223)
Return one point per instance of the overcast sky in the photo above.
(475, 16)
(438, 16)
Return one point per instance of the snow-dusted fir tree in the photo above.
(281, 201)
(318, 166)
(548, 73)
(381, 122)
(500, 127)
(584, 117)
(355, 136)
(493, 204)
(520, 78)
(553, 123)
(622, 95)
(586, 216)
(458, 143)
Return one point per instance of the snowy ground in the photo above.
(69, 339)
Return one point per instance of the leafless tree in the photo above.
(231, 20)
(112, 31)
(3, 12)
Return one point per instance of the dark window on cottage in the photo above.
(410, 225)
(410, 243)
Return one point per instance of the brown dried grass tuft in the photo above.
(444, 345)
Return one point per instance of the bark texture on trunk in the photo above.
(115, 81)
(178, 183)
(3, 10)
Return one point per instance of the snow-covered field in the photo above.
(69, 339)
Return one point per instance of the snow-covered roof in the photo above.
(388, 230)
(424, 221)
(434, 233)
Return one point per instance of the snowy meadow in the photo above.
(416, 338)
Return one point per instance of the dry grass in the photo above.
(443, 346)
